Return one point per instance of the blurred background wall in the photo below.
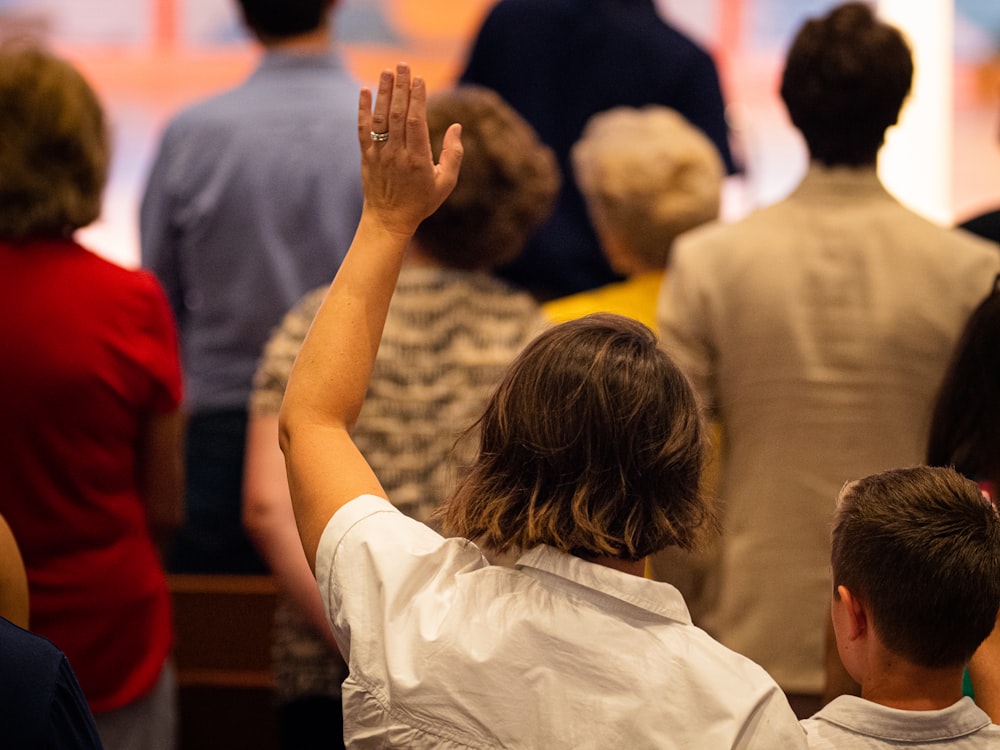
(148, 58)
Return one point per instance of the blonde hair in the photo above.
(647, 175)
(53, 145)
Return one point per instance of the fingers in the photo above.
(401, 112)
(399, 104)
(417, 137)
(364, 118)
(380, 117)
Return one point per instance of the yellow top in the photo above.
(635, 298)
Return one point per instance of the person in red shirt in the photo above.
(90, 388)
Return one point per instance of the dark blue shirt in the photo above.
(558, 62)
(41, 704)
(986, 225)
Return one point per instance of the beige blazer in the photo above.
(816, 331)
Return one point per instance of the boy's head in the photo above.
(647, 176)
(592, 444)
(919, 548)
(845, 80)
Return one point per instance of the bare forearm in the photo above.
(279, 544)
(331, 373)
(160, 466)
(268, 518)
(328, 383)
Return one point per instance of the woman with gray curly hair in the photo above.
(647, 176)
(90, 467)
(452, 329)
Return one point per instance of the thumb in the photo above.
(451, 157)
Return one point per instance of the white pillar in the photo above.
(916, 163)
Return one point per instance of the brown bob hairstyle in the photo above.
(506, 189)
(53, 146)
(591, 444)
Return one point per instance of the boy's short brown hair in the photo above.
(921, 548)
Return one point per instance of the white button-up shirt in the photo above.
(448, 651)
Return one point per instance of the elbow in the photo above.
(254, 517)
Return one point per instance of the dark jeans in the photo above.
(212, 539)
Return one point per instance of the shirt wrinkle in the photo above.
(541, 655)
(381, 697)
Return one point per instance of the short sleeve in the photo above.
(378, 569)
(71, 722)
(155, 346)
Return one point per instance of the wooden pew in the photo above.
(225, 684)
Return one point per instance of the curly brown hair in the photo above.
(506, 189)
(592, 444)
(53, 146)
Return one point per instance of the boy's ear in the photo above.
(856, 614)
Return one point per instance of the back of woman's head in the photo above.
(965, 429)
(592, 444)
(647, 176)
(53, 146)
(506, 189)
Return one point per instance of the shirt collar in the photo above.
(276, 59)
(653, 596)
(895, 725)
(831, 183)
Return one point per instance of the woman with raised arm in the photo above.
(451, 331)
(590, 458)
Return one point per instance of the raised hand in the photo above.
(402, 184)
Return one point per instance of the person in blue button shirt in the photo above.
(252, 201)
